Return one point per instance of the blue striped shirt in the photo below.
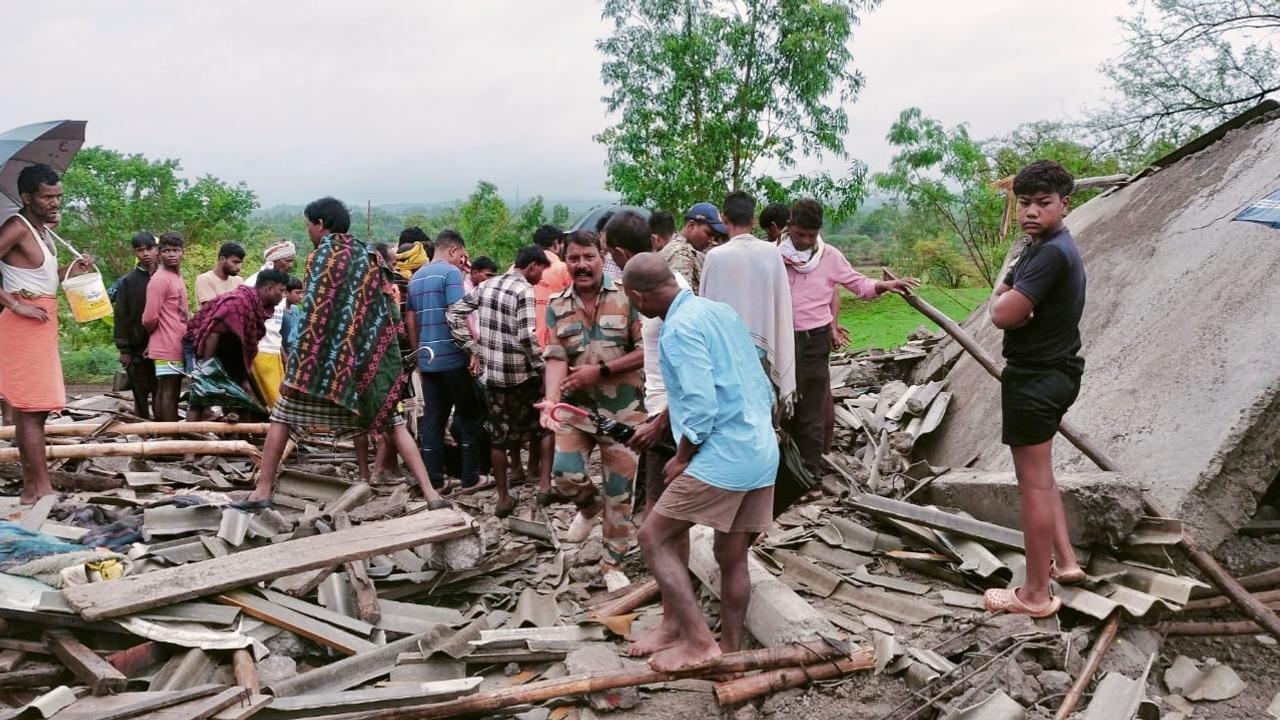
(432, 289)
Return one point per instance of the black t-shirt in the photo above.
(1050, 273)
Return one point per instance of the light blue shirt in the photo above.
(718, 395)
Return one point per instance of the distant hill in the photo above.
(577, 206)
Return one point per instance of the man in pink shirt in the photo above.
(165, 318)
(814, 270)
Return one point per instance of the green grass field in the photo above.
(886, 322)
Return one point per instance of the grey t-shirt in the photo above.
(1050, 273)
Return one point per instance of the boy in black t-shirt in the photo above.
(1038, 305)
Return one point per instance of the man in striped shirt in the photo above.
(446, 383)
(509, 356)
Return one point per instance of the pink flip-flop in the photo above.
(1006, 600)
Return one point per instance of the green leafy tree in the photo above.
(111, 196)
(485, 222)
(1188, 64)
(532, 215)
(560, 215)
(945, 174)
(710, 95)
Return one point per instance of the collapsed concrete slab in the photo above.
(1182, 382)
(1102, 508)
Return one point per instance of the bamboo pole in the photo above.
(575, 685)
(145, 428)
(1249, 607)
(1242, 627)
(1264, 580)
(742, 689)
(1100, 647)
(141, 449)
(1221, 601)
(637, 596)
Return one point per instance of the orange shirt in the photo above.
(554, 279)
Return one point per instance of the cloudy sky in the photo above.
(416, 101)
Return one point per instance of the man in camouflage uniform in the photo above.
(594, 358)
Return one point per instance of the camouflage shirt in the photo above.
(581, 339)
(684, 259)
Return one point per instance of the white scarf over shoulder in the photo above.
(748, 274)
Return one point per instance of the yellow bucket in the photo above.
(87, 296)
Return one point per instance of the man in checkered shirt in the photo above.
(509, 357)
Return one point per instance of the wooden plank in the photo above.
(323, 614)
(164, 587)
(296, 622)
(100, 676)
(132, 705)
(358, 574)
(36, 516)
(246, 671)
(10, 659)
(203, 708)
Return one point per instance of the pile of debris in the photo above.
(142, 594)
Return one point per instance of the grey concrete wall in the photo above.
(1181, 338)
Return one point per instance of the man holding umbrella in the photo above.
(30, 368)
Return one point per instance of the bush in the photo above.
(90, 365)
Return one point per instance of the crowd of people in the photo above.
(679, 356)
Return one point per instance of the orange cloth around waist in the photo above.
(30, 367)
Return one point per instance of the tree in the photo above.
(111, 196)
(485, 223)
(710, 95)
(560, 216)
(945, 173)
(532, 215)
(1188, 64)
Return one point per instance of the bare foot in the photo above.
(685, 657)
(657, 638)
(29, 496)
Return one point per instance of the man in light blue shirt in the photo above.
(721, 407)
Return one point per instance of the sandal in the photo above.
(441, 504)
(1006, 600)
(1070, 577)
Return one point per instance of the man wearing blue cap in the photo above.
(684, 254)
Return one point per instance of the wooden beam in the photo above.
(141, 449)
(245, 670)
(10, 659)
(745, 688)
(134, 593)
(295, 622)
(585, 684)
(144, 428)
(100, 676)
(358, 574)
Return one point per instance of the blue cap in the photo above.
(707, 213)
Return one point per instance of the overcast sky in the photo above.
(416, 101)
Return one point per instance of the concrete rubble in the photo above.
(139, 593)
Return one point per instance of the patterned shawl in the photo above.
(240, 312)
(347, 351)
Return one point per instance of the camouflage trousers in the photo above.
(618, 464)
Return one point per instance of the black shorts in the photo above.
(655, 461)
(1034, 399)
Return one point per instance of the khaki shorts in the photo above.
(691, 500)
